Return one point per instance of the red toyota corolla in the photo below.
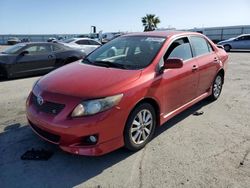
(122, 91)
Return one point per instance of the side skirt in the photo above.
(169, 115)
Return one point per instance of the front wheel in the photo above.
(217, 87)
(227, 48)
(140, 127)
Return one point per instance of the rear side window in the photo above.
(56, 48)
(180, 48)
(200, 46)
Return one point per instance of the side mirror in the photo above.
(23, 53)
(173, 63)
(220, 46)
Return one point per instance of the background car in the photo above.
(13, 40)
(87, 45)
(240, 42)
(110, 100)
(33, 58)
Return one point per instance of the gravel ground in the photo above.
(210, 150)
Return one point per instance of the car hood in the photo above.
(76, 46)
(228, 40)
(87, 81)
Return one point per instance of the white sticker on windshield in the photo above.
(155, 39)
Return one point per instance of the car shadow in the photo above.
(239, 51)
(3, 79)
(62, 169)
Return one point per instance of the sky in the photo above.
(77, 16)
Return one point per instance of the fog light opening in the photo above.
(89, 140)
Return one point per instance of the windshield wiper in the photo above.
(88, 61)
(109, 64)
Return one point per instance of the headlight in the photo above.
(91, 107)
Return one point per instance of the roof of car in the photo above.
(162, 33)
(27, 43)
(80, 38)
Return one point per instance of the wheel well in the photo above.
(222, 72)
(155, 106)
(2, 70)
(70, 60)
(227, 45)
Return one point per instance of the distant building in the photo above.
(222, 33)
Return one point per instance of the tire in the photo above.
(4, 73)
(217, 87)
(227, 48)
(141, 123)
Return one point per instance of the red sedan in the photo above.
(122, 91)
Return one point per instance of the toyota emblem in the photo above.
(39, 100)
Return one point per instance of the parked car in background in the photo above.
(106, 37)
(240, 42)
(35, 58)
(122, 91)
(52, 39)
(86, 45)
(25, 40)
(13, 40)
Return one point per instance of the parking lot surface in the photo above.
(210, 150)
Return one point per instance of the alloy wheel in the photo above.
(217, 86)
(141, 126)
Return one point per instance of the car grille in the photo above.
(46, 106)
(49, 136)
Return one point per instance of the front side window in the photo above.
(68, 40)
(82, 42)
(180, 48)
(38, 49)
(200, 45)
(128, 52)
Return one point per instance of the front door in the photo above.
(180, 85)
(39, 58)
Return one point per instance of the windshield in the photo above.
(128, 52)
(68, 40)
(13, 49)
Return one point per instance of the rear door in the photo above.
(208, 63)
(180, 85)
(39, 58)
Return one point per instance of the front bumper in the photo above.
(69, 133)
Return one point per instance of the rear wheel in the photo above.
(140, 127)
(227, 48)
(217, 87)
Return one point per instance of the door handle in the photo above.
(216, 59)
(194, 68)
(50, 56)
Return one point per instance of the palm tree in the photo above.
(150, 22)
